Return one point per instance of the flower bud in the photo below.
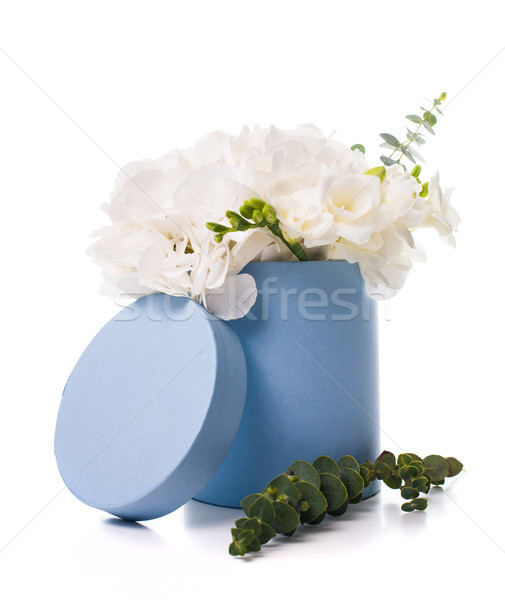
(269, 213)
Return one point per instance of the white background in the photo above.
(87, 86)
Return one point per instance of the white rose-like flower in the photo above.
(440, 214)
(158, 240)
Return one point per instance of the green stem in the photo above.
(295, 246)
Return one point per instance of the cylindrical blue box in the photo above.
(311, 348)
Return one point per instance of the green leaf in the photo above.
(243, 535)
(359, 147)
(420, 503)
(350, 462)
(415, 457)
(325, 464)
(409, 492)
(357, 499)
(387, 160)
(430, 118)
(404, 473)
(404, 459)
(352, 481)
(253, 524)
(414, 119)
(304, 471)
(407, 153)
(338, 512)
(318, 519)
(414, 471)
(263, 510)
(267, 533)
(394, 482)
(254, 546)
(334, 491)
(390, 139)
(428, 127)
(366, 474)
(233, 550)
(289, 533)
(315, 498)
(383, 470)
(388, 458)
(408, 507)
(455, 466)
(284, 486)
(420, 483)
(436, 466)
(286, 518)
(248, 501)
(239, 523)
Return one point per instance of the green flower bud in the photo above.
(257, 217)
(246, 211)
(416, 171)
(269, 214)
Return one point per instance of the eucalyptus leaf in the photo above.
(455, 466)
(436, 466)
(325, 464)
(414, 119)
(409, 492)
(388, 458)
(350, 462)
(263, 510)
(390, 139)
(304, 471)
(285, 486)
(267, 533)
(315, 498)
(430, 118)
(352, 481)
(394, 482)
(286, 518)
(359, 147)
(388, 161)
(248, 501)
(334, 491)
(428, 127)
(420, 503)
(338, 512)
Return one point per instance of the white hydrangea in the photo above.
(158, 241)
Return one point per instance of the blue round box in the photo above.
(311, 349)
(167, 402)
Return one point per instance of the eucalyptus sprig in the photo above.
(254, 214)
(426, 120)
(306, 493)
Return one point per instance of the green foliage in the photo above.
(359, 147)
(255, 214)
(426, 120)
(306, 493)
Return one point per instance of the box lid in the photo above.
(151, 408)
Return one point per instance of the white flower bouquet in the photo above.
(188, 222)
